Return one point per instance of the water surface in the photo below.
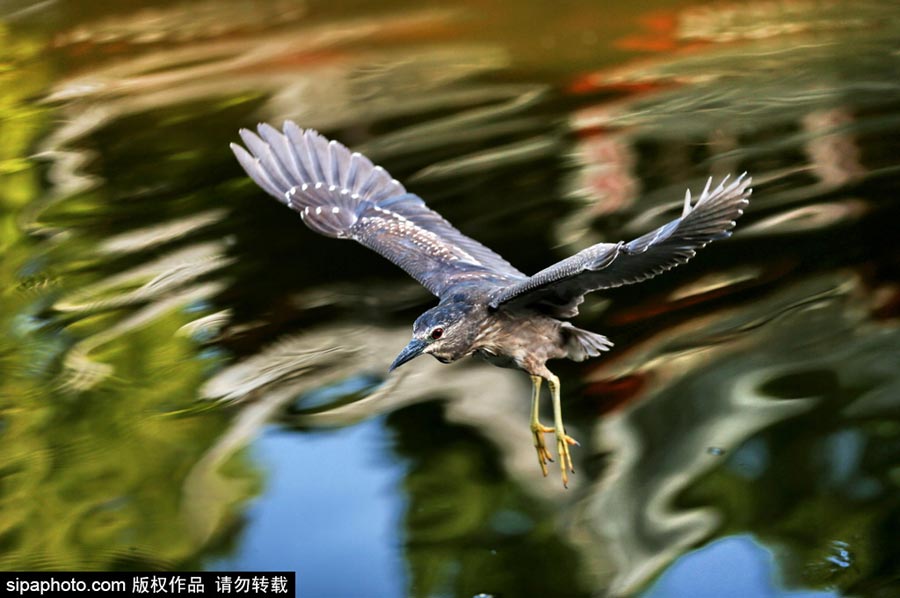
(189, 378)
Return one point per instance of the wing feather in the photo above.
(607, 265)
(341, 194)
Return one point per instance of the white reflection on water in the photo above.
(490, 399)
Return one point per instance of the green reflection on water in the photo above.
(92, 469)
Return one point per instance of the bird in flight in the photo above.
(487, 307)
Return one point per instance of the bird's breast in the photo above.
(521, 341)
(497, 359)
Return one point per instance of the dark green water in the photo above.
(189, 378)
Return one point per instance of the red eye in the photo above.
(437, 333)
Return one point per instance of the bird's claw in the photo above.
(540, 446)
(563, 441)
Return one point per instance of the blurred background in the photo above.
(187, 383)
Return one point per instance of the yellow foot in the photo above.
(563, 441)
(543, 454)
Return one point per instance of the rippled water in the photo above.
(189, 378)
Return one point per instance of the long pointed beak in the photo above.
(410, 352)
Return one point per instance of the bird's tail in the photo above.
(322, 180)
(582, 344)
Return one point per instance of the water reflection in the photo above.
(161, 316)
(731, 380)
(734, 566)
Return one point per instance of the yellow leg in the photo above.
(538, 429)
(563, 440)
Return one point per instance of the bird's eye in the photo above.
(437, 333)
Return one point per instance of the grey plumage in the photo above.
(609, 265)
(340, 194)
(487, 307)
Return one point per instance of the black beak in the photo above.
(410, 352)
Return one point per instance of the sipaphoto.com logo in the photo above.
(64, 585)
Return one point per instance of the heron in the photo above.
(486, 307)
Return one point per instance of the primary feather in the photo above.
(607, 265)
(341, 194)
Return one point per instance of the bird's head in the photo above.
(443, 332)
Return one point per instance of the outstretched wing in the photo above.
(607, 265)
(343, 195)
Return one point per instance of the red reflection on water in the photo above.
(608, 396)
(660, 35)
